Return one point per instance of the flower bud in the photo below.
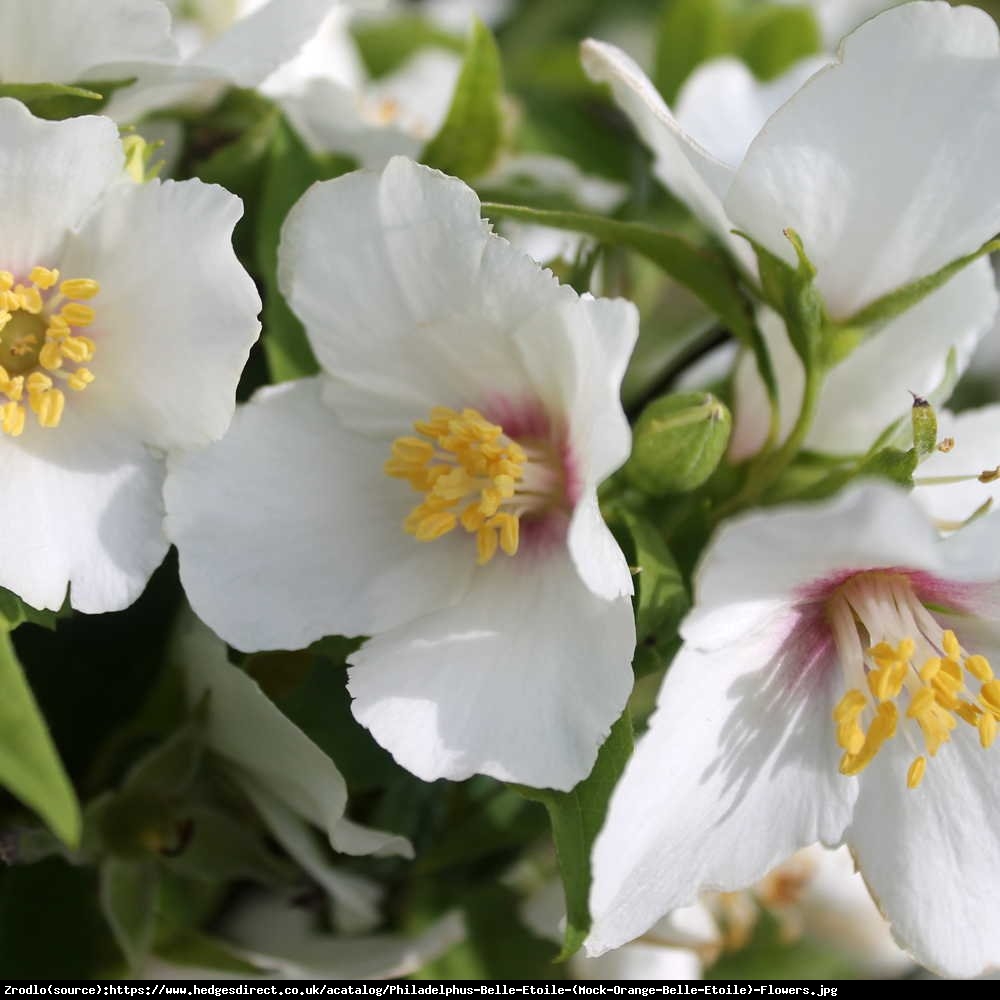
(678, 442)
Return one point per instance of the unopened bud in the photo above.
(925, 427)
(679, 441)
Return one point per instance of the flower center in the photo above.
(474, 476)
(893, 650)
(38, 345)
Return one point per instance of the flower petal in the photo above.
(81, 506)
(64, 41)
(871, 223)
(521, 680)
(278, 766)
(689, 171)
(722, 105)
(51, 174)
(761, 563)
(639, 960)
(871, 389)
(737, 771)
(267, 38)
(414, 302)
(929, 854)
(176, 314)
(289, 530)
(976, 434)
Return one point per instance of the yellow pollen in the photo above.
(916, 772)
(891, 689)
(38, 344)
(471, 476)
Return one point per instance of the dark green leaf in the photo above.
(129, 896)
(29, 764)
(704, 272)
(576, 818)
(27, 93)
(469, 141)
(14, 612)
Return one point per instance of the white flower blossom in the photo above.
(834, 685)
(435, 488)
(870, 221)
(125, 323)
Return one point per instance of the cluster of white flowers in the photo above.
(434, 488)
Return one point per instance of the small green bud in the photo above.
(679, 441)
(924, 427)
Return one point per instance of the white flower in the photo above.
(291, 782)
(954, 484)
(493, 393)
(834, 685)
(135, 289)
(69, 41)
(854, 160)
(837, 18)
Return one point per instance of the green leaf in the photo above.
(770, 38)
(29, 763)
(57, 100)
(689, 32)
(14, 612)
(705, 273)
(576, 818)
(290, 169)
(129, 895)
(469, 141)
(892, 304)
(385, 45)
(27, 93)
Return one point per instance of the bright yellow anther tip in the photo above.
(435, 525)
(950, 643)
(43, 277)
(979, 667)
(486, 545)
(916, 772)
(76, 314)
(80, 379)
(80, 288)
(50, 409)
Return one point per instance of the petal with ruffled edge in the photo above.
(871, 389)
(976, 434)
(176, 314)
(838, 17)
(414, 303)
(64, 41)
(521, 680)
(289, 530)
(929, 854)
(722, 105)
(275, 762)
(759, 564)
(871, 223)
(687, 169)
(81, 506)
(51, 174)
(737, 771)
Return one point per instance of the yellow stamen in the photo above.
(987, 724)
(916, 772)
(79, 288)
(45, 279)
(78, 315)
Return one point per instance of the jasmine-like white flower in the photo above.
(834, 685)
(70, 41)
(870, 223)
(125, 321)
(435, 488)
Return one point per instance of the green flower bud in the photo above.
(678, 442)
(924, 427)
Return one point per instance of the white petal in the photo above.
(874, 221)
(639, 960)
(64, 41)
(176, 314)
(722, 106)
(871, 389)
(256, 45)
(289, 530)
(690, 172)
(929, 854)
(277, 934)
(838, 17)
(976, 434)
(521, 680)
(760, 563)
(406, 296)
(544, 172)
(737, 771)
(51, 174)
(81, 505)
